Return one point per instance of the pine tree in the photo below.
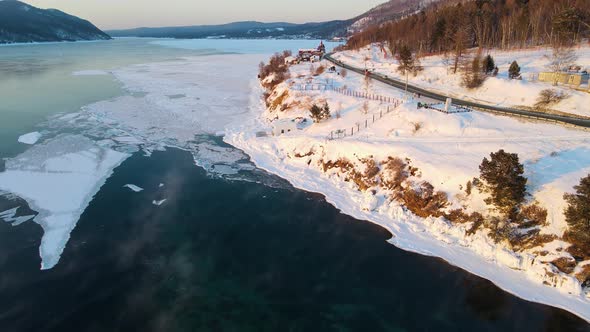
(503, 179)
(577, 215)
(406, 60)
(514, 70)
(488, 65)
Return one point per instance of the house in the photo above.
(291, 60)
(569, 78)
(311, 54)
(283, 126)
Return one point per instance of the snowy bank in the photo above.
(445, 149)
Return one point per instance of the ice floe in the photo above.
(160, 202)
(58, 179)
(9, 216)
(30, 138)
(133, 187)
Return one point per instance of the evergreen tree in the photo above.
(514, 70)
(577, 215)
(318, 114)
(503, 179)
(488, 65)
(406, 60)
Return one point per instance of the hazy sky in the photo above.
(113, 14)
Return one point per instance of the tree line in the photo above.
(450, 25)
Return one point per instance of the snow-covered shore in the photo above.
(447, 149)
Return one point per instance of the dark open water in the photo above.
(239, 256)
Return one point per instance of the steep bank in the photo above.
(439, 154)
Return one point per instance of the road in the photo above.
(571, 120)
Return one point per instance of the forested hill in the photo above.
(23, 23)
(449, 24)
(390, 10)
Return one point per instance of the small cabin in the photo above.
(574, 79)
(291, 60)
(284, 126)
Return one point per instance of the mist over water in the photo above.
(232, 248)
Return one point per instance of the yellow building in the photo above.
(574, 79)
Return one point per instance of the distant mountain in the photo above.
(23, 23)
(248, 29)
(390, 10)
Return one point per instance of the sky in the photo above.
(117, 14)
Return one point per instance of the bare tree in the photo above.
(561, 60)
(365, 108)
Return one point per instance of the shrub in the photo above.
(565, 264)
(365, 108)
(318, 114)
(549, 97)
(577, 216)
(417, 127)
(472, 73)
(533, 215)
(276, 68)
(458, 216)
(514, 70)
(500, 230)
(371, 169)
(503, 181)
(424, 201)
(584, 275)
(343, 72)
(394, 173)
(319, 70)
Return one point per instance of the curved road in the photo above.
(580, 122)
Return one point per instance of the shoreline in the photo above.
(409, 232)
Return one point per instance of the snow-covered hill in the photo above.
(23, 23)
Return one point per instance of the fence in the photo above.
(346, 92)
(458, 108)
(374, 117)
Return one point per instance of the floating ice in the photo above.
(160, 202)
(58, 179)
(9, 217)
(30, 138)
(90, 73)
(133, 187)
